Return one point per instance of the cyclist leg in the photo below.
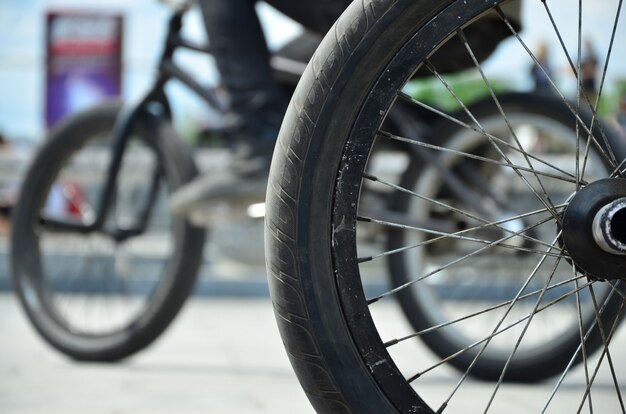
(257, 103)
(256, 106)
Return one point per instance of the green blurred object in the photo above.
(468, 87)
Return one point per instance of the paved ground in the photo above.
(220, 356)
(225, 356)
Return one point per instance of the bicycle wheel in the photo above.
(473, 188)
(356, 353)
(105, 294)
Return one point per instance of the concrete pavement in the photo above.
(219, 356)
(224, 355)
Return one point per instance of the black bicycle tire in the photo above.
(540, 366)
(319, 345)
(335, 372)
(180, 168)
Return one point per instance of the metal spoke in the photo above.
(459, 235)
(495, 99)
(578, 89)
(444, 267)
(396, 341)
(572, 361)
(495, 330)
(491, 336)
(430, 241)
(605, 343)
(617, 172)
(610, 158)
(570, 178)
(441, 214)
(415, 102)
(564, 48)
(521, 336)
(581, 333)
(602, 80)
(599, 364)
(469, 347)
(463, 212)
(545, 203)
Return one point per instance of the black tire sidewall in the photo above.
(336, 82)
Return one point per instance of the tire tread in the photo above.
(286, 281)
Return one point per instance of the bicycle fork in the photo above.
(142, 113)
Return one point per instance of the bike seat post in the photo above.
(172, 40)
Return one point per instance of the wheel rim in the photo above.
(368, 329)
(90, 292)
(493, 273)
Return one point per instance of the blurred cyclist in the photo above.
(258, 103)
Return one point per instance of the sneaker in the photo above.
(212, 196)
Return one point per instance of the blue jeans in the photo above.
(257, 102)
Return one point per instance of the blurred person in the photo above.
(257, 102)
(588, 73)
(619, 121)
(541, 70)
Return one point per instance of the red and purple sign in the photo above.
(83, 61)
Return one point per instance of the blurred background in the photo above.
(35, 96)
(204, 362)
(203, 349)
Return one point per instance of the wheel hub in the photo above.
(594, 229)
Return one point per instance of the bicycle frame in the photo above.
(154, 104)
(151, 106)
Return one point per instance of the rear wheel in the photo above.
(354, 352)
(98, 295)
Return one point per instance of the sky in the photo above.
(22, 53)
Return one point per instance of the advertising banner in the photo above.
(83, 61)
